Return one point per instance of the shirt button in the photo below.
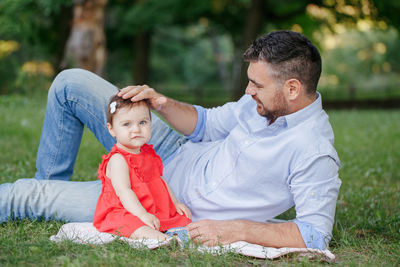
(246, 142)
(312, 194)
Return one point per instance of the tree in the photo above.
(86, 46)
(133, 25)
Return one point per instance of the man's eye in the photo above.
(257, 85)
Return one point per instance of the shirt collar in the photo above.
(254, 122)
(303, 114)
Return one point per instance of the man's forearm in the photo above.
(212, 233)
(181, 116)
(272, 235)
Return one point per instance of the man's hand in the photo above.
(150, 220)
(140, 92)
(182, 209)
(213, 233)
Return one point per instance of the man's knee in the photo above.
(68, 79)
(69, 74)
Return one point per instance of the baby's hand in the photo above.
(181, 208)
(150, 220)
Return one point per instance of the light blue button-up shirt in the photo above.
(235, 166)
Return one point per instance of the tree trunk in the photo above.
(252, 29)
(141, 64)
(86, 46)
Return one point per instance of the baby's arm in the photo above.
(118, 172)
(180, 207)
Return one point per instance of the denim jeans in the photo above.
(76, 98)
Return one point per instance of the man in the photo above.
(245, 162)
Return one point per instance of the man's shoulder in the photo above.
(315, 137)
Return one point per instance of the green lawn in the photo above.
(366, 232)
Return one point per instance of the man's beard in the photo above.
(279, 108)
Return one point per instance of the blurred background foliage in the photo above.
(192, 50)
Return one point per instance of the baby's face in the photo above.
(131, 127)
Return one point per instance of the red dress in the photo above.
(145, 171)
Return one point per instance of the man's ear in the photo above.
(293, 88)
(110, 129)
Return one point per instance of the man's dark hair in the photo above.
(290, 54)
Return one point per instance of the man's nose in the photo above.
(250, 91)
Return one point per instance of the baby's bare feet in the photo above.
(145, 232)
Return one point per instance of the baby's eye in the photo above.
(126, 124)
(143, 122)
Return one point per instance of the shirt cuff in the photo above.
(311, 237)
(198, 132)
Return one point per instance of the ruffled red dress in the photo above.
(145, 171)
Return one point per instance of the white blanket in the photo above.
(86, 233)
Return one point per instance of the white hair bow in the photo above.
(113, 107)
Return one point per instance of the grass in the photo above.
(366, 231)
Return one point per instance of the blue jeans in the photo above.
(76, 98)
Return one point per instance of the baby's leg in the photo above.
(146, 232)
